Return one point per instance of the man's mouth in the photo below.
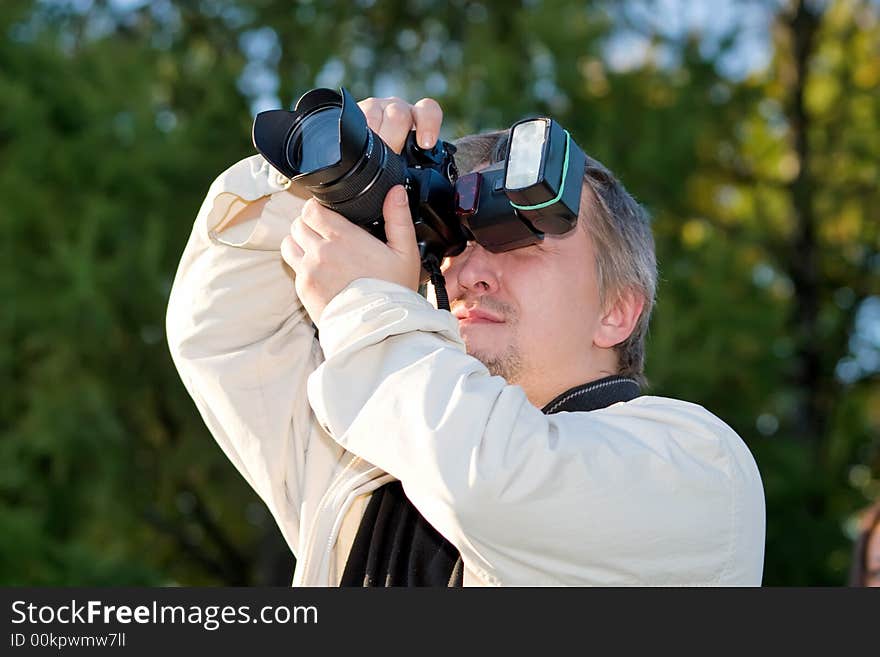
(475, 316)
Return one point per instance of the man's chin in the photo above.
(481, 349)
(505, 363)
(482, 356)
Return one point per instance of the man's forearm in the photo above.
(242, 342)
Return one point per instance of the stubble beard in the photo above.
(507, 364)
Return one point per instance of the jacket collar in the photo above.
(595, 395)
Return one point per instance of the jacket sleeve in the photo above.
(632, 494)
(242, 341)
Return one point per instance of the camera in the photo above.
(328, 151)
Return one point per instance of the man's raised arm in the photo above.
(243, 343)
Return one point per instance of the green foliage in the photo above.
(114, 122)
(108, 145)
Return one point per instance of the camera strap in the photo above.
(437, 281)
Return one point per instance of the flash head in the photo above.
(543, 175)
(534, 191)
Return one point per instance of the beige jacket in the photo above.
(653, 491)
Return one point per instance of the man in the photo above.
(503, 444)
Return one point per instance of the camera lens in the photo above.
(314, 143)
(327, 149)
(359, 193)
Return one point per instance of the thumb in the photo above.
(399, 227)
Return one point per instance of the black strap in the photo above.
(396, 546)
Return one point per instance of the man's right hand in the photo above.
(392, 119)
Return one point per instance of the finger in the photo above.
(324, 221)
(307, 239)
(374, 112)
(399, 228)
(291, 253)
(396, 124)
(428, 118)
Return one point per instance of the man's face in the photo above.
(531, 312)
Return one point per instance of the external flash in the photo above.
(544, 174)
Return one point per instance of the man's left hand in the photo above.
(327, 252)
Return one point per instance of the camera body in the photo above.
(328, 151)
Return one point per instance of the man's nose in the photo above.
(474, 272)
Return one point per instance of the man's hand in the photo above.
(392, 119)
(327, 252)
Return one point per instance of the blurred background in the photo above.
(751, 131)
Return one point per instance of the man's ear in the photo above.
(619, 320)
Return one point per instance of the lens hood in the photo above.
(274, 130)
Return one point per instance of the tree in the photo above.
(117, 117)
